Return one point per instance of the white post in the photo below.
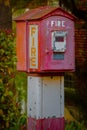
(45, 103)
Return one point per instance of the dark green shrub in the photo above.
(10, 108)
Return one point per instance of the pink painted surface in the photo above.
(45, 124)
(47, 62)
(45, 16)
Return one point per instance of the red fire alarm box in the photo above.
(45, 40)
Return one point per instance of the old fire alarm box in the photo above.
(45, 40)
(59, 41)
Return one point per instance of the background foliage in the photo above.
(10, 103)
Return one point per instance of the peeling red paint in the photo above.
(46, 124)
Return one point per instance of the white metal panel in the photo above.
(34, 97)
(53, 98)
(46, 97)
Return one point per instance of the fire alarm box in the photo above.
(59, 41)
(45, 40)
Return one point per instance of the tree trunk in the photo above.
(5, 16)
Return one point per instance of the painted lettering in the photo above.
(52, 23)
(33, 30)
(63, 23)
(33, 51)
(33, 61)
(58, 23)
(33, 46)
(33, 41)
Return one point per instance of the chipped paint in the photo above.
(45, 102)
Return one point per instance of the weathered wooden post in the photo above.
(45, 50)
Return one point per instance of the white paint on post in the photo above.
(46, 97)
(53, 98)
(34, 97)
